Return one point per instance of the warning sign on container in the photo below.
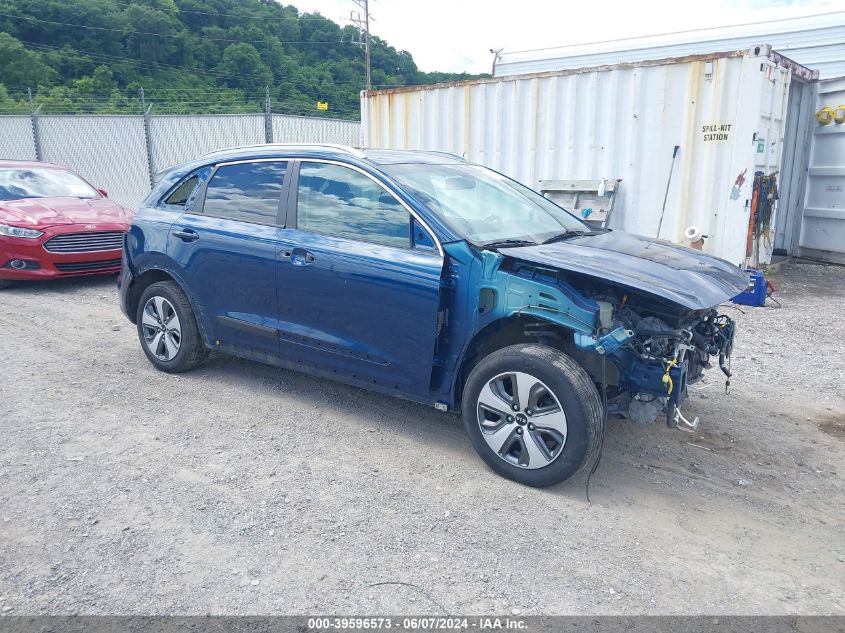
(716, 132)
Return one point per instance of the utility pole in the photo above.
(497, 55)
(363, 25)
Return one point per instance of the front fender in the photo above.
(484, 294)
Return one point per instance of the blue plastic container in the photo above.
(755, 294)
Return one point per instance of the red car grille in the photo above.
(85, 242)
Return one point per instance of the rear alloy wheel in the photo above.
(533, 414)
(168, 329)
(161, 329)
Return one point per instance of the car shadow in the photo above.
(63, 285)
(624, 442)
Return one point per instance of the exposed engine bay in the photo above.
(663, 348)
(639, 315)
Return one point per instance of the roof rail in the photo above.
(341, 148)
(449, 154)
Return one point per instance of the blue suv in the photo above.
(422, 275)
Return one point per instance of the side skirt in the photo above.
(317, 372)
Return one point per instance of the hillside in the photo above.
(188, 56)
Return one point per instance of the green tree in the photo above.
(189, 56)
(8, 105)
(19, 66)
(241, 67)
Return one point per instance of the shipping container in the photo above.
(821, 228)
(816, 41)
(724, 111)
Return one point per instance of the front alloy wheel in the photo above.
(532, 413)
(161, 328)
(521, 420)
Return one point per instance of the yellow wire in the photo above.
(667, 379)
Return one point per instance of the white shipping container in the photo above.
(726, 112)
(822, 228)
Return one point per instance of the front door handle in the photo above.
(187, 235)
(300, 256)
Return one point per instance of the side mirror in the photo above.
(103, 193)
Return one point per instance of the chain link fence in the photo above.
(122, 153)
(16, 138)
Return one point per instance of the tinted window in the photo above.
(339, 201)
(181, 194)
(246, 191)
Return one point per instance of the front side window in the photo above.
(342, 202)
(248, 192)
(20, 183)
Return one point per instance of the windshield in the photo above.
(484, 206)
(20, 183)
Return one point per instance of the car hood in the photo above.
(682, 275)
(43, 212)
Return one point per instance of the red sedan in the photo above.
(54, 224)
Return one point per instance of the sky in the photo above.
(457, 35)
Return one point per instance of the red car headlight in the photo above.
(17, 231)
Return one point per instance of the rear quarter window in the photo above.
(182, 195)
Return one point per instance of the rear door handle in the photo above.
(187, 235)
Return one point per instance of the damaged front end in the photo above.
(645, 341)
(656, 351)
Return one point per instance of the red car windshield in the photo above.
(21, 183)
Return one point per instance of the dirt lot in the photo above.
(241, 488)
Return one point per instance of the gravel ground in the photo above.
(244, 489)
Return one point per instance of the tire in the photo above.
(540, 446)
(168, 352)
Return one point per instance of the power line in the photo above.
(157, 65)
(146, 64)
(264, 18)
(178, 35)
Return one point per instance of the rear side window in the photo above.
(339, 201)
(248, 192)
